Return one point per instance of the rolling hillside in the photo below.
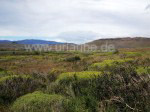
(127, 42)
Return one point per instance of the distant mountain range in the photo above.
(30, 41)
(126, 42)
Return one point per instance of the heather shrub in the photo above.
(39, 102)
(41, 77)
(125, 89)
(12, 87)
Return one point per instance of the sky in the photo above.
(75, 21)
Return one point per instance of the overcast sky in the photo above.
(75, 21)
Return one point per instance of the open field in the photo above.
(75, 82)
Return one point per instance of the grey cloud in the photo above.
(147, 7)
(78, 36)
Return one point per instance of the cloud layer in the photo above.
(74, 20)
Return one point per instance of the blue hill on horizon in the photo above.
(30, 41)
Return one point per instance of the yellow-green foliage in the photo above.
(143, 70)
(38, 102)
(108, 63)
(133, 54)
(9, 58)
(80, 75)
(54, 73)
(106, 54)
(7, 78)
(4, 73)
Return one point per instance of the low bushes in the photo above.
(78, 84)
(121, 90)
(11, 87)
(73, 59)
(125, 89)
(81, 104)
(109, 64)
(133, 54)
(4, 73)
(39, 102)
(80, 75)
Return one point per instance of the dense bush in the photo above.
(11, 87)
(39, 102)
(79, 75)
(106, 65)
(67, 83)
(81, 104)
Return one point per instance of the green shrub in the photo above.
(39, 102)
(4, 73)
(12, 87)
(76, 84)
(132, 54)
(131, 89)
(39, 76)
(105, 54)
(109, 64)
(143, 70)
(79, 104)
(80, 75)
